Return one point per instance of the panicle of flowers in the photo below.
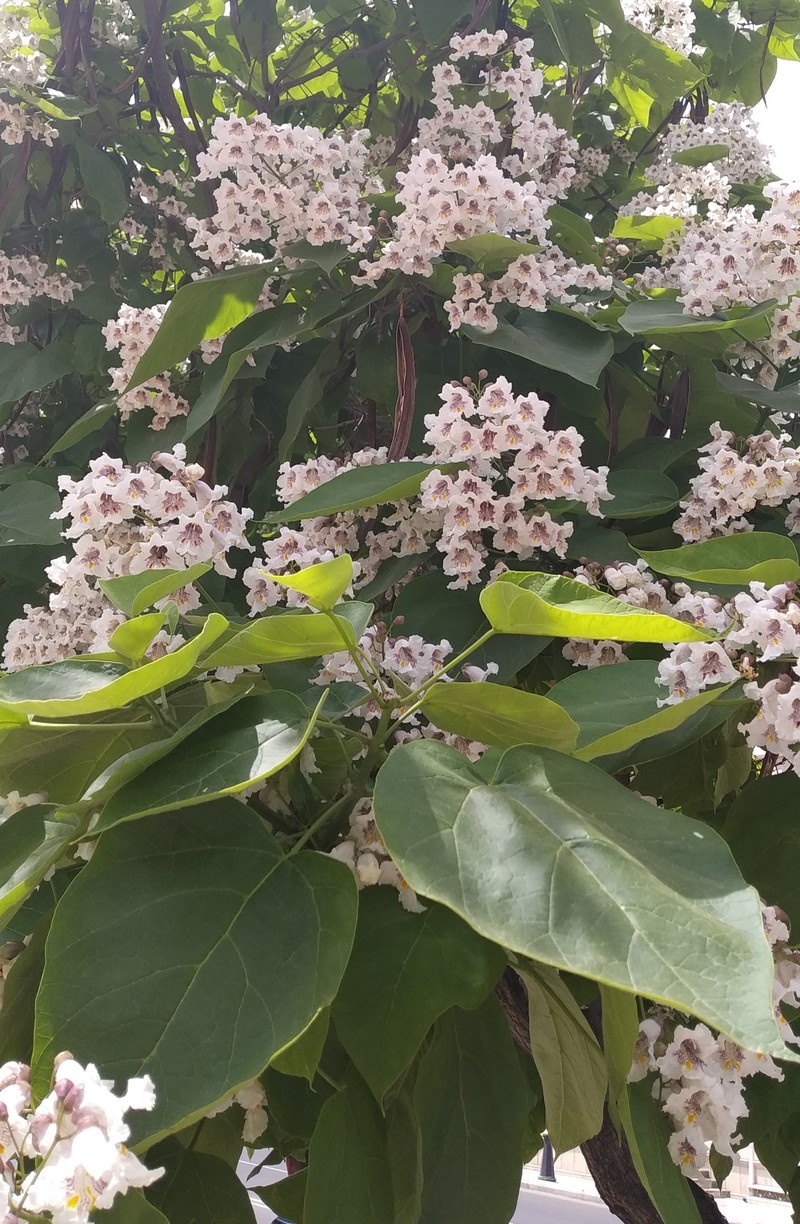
(670, 21)
(67, 1157)
(17, 122)
(472, 174)
(132, 332)
(22, 64)
(701, 1075)
(24, 277)
(114, 23)
(280, 184)
(365, 854)
(737, 475)
(125, 521)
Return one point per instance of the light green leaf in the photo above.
(617, 710)
(620, 1019)
(562, 607)
(701, 155)
(404, 972)
(647, 229)
(499, 715)
(757, 556)
(470, 1101)
(76, 687)
(569, 1060)
(133, 638)
(323, 584)
(349, 1179)
(200, 310)
(197, 1188)
(573, 233)
(282, 638)
(555, 860)
(557, 341)
(255, 740)
(133, 593)
(233, 952)
(31, 841)
(639, 493)
(365, 486)
(102, 181)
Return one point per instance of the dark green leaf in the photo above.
(196, 1189)
(374, 485)
(349, 1180)
(88, 424)
(26, 510)
(763, 833)
(647, 1130)
(620, 1018)
(31, 842)
(233, 952)
(131, 1208)
(470, 1103)
(757, 556)
(405, 971)
(102, 182)
(639, 494)
(557, 341)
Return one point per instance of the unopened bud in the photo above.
(63, 1057)
(63, 1088)
(483, 374)
(784, 683)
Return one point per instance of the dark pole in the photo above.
(547, 1170)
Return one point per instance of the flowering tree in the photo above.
(486, 318)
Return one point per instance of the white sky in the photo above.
(779, 120)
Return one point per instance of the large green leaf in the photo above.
(282, 638)
(664, 319)
(133, 593)
(63, 760)
(499, 715)
(233, 951)
(643, 71)
(30, 369)
(701, 155)
(437, 18)
(80, 686)
(560, 342)
(364, 486)
(201, 310)
(254, 740)
(349, 1180)
(562, 607)
(31, 842)
(752, 556)
(196, 1188)
(763, 833)
(470, 1103)
(406, 971)
(620, 1021)
(618, 712)
(569, 1060)
(555, 860)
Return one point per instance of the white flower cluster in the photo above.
(67, 1156)
(114, 23)
(22, 64)
(365, 854)
(14, 802)
(701, 1076)
(458, 185)
(280, 184)
(24, 277)
(503, 443)
(125, 521)
(132, 332)
(670, 21)
(16, 123)
(736, 476)
(692, 667)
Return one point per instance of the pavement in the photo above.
(569, 1200)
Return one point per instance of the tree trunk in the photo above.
(609, 1160)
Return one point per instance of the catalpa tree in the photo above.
(400, 712)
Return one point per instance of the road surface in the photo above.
(534, 1207)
